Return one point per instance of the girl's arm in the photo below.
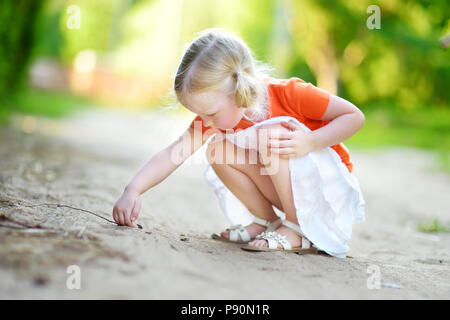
(161, 165)
(158, 168)
(345, 120)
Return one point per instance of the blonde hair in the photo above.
(218, 60)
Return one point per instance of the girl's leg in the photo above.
(279, 173)
(240, 173)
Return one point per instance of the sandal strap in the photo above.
(305, 243)
(273, 238)
(296, 228)
(274, 225)
(270, 226)
(260, 221)
(237, 231)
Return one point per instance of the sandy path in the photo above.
(85, 161)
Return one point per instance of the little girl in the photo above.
(277, 164)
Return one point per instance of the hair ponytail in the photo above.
(246, 90)
(250, 93)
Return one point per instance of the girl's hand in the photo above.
(297, 143)
(126, 210)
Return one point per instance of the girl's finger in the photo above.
(281, 135)
(281, 143)
(120, 215)
(127, 217)
(115, 215)
(138, 210)
(291, 125)
(135, 212)
(284, 151)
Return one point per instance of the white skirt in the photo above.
(327, 197)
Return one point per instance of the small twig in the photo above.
(58, 205)
(87, 211)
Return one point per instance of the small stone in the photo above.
(40, 280)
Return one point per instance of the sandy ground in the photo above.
(84, 162)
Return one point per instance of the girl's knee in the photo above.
(265, 133)
(221, 151)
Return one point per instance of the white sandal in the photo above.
(238, 233)
(273, 239)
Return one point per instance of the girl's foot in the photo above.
(253, 230)
(293, 238)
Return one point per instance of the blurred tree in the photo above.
(98, 26)
(48, 38)
(17, 22)
(401, 64)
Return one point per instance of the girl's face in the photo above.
(216, 109)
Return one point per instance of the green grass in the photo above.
(433, 227)
(45, 103)
(425, 129)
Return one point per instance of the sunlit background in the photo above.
(86, 100)
(58, 57)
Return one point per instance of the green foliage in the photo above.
(398, 75)
(17, 19)
(402, 62)
(421, 128)
(50, 104)
(433, 227)
(97, 23)
(429, 129)
(48, 37)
